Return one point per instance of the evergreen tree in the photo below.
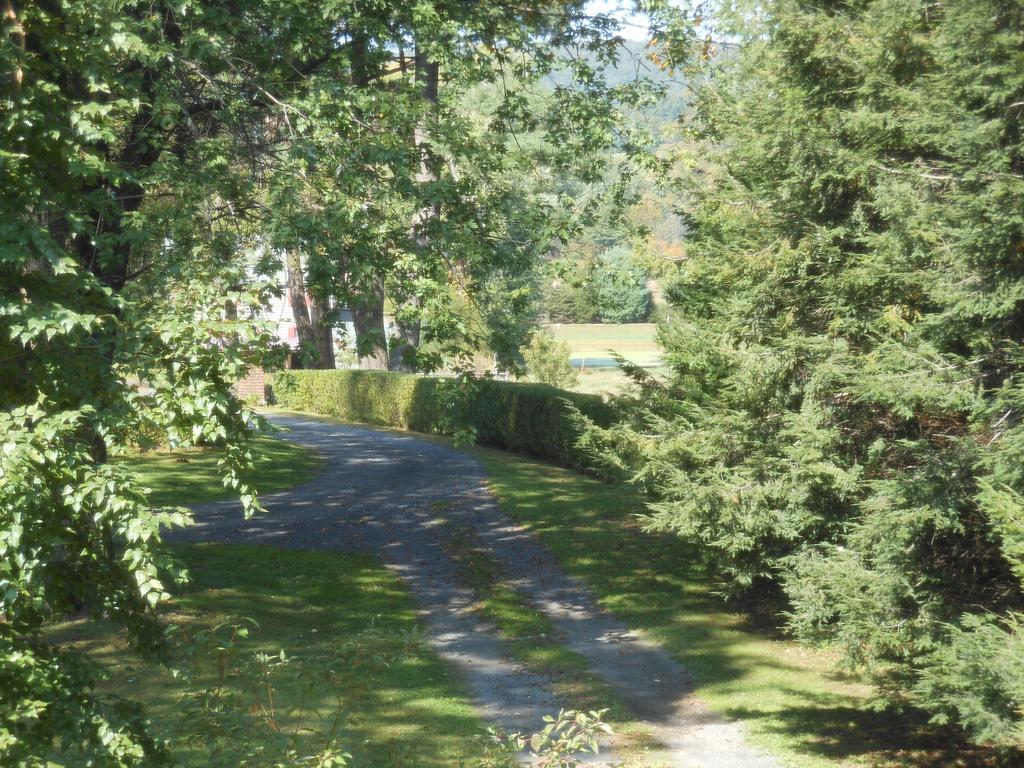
(621, 286)
(845, 416)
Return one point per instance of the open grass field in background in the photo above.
(635, 341)
(609, 381)
(591, 344)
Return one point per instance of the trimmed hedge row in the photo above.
(530, 418)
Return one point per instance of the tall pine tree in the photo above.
(844, 418)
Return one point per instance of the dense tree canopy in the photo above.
(157, 160)
(844, 415)
(842, 427)
(115, 267)
(458, 165)
(608, 287)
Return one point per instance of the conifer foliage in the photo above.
(844, 419)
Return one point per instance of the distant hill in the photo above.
(633, 64)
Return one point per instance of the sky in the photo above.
(635, 25)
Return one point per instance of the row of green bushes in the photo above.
(530, 418)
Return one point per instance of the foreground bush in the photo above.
(530, 418)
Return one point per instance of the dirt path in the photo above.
(381, 492)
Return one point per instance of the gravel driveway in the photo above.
(383, 492)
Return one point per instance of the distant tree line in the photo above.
(608, 288)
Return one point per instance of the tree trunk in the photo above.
(407, 334)
(319, 316)
(368, 319)
(316, 342)
(367, 303)
(297, 301)
(404, 340)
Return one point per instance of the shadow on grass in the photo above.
(408, 711)
(791, 698)
(191, 477)
(842, 733)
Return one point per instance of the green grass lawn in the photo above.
(593, 341)
(189, 477)
(792, 699)
(335, 617)
(347, 626)
(609, 381)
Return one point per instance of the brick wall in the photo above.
(253, 385)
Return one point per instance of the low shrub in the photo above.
(549, 361)
(530, 418)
